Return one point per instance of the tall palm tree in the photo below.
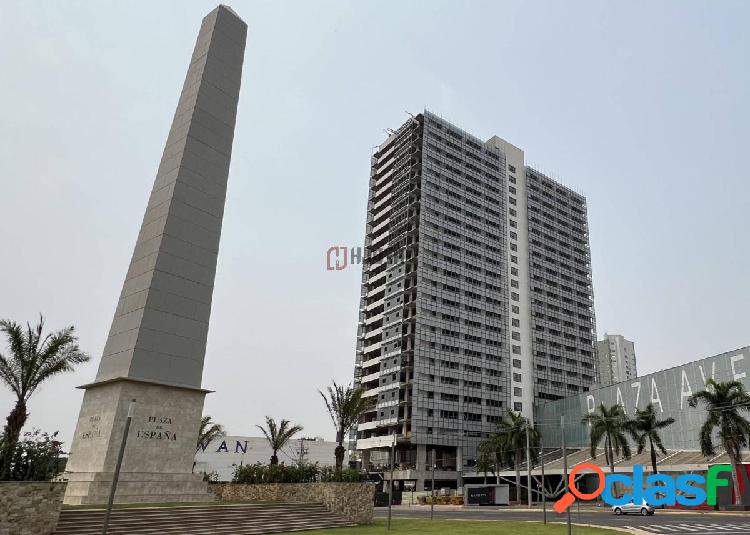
(32, 360)
(346, 405)
(725, 402)
(278, 435)
(485, 458)
(208, 431)
(644, 428)
(495, 446)
(610, 424)
(513, 430)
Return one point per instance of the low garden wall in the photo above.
(353, 501)
(29, 507)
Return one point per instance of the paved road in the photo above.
(661, 523)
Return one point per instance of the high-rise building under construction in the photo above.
(476, 297)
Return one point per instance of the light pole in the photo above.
(432, 488)
(390, 487)
(116, 476)
(544, 490)
(565, 467)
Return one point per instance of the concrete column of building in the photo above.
(365, 456)
(521, 391)
(421, 466)
(460, 466)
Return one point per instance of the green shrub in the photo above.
(36, 457)
(255, 474)
(347, 475)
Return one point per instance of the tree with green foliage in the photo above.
(35, 457)
(485, 458)
(33, 358)
(278, 435)
(644, 429)
(611, 425)
(725, 403)
(512, 433)
(494, 446)
(346, 406)
(207, 432)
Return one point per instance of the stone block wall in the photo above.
(30, 508)
(353, 501)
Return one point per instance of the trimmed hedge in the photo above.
(256, 474)
(441, 500)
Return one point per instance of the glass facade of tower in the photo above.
(437, 355)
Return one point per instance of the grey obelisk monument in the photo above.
(157, 341)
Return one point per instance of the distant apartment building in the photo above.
(616, 359)
(476, 297)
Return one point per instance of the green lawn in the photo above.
(461, 527)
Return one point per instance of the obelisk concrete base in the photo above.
(157, 464)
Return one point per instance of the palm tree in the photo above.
(494, 445)
(345, 405)
(513, 432)
(725, 401)
(278, 436)
(610, 424)
(485, 458)
(32, 360)
(208, 431)
(645, 428)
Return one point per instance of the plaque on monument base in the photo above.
(158, 460)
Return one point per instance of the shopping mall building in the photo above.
(668, 390)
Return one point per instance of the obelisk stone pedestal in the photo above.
(156, 345)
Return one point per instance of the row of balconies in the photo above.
(487, 204)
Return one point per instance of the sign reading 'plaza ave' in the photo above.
(668, 391)
(691, 378)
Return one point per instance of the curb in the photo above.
(598, 510)
(633, 531)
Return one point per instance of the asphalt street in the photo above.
(661, 522)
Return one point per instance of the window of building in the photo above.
(517, 362)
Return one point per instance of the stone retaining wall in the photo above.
(29, 507)
(353, 501)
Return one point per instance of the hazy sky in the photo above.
(642, 106)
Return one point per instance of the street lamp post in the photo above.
(116, 476)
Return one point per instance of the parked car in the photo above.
(642, 508)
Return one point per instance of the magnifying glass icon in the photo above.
(573, 492)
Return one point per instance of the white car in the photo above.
(643, 508)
